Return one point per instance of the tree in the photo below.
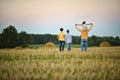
(1, 40)
(23, 39)
(117, 41)
(9, 37)
(76, 39)
(94, 41)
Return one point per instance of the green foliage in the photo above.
(9, 37)
(23, 38)
(114, 41)
(42, 38)
(35, 46)
(92, 41)
(76, 39)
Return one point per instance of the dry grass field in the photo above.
(98, 63)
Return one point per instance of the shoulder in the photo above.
(59, 33)
(63, 33)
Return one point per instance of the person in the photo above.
(68, 40)
(84, 34)
(61, 38)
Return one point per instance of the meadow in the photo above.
(98, 63)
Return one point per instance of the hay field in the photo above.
(50, 64)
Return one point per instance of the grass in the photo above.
(98, 63)
(42, 45)
(36, 46)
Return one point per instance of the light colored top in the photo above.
(68, 38)
(84, 27)
(61, 36)
(84, 33)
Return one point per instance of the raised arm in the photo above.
(91, 25)
(77, 27)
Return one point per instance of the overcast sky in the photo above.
(47, 16)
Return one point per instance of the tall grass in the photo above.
(50, 64)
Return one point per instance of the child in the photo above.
(68, 40)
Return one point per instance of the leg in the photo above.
(60, 45)
(69, 46)
(86, 45)
(82, 45)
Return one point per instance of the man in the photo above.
(68, 40)
(61, 38)
(84, 34)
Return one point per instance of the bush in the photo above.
(105, 44)
(50, 45)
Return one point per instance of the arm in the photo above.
(91, 26)
(77, 27)
(79, 24)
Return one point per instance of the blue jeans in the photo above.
(61, 45)
(68, 46)
(84, 44)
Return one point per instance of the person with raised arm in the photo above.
(84, 34)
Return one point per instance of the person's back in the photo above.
(84, 34)
(68, 40)
(61, 38)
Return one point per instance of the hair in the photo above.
(83, 22)
(61, 29)
(67, 31)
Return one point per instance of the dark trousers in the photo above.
(61, 45)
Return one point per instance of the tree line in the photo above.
(10, 38)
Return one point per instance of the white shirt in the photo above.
(84, 27)
(68, 38)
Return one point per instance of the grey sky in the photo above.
(47, 16)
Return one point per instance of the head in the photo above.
(84, 26)
(83, 23)
(67, 31)
(61, 29)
